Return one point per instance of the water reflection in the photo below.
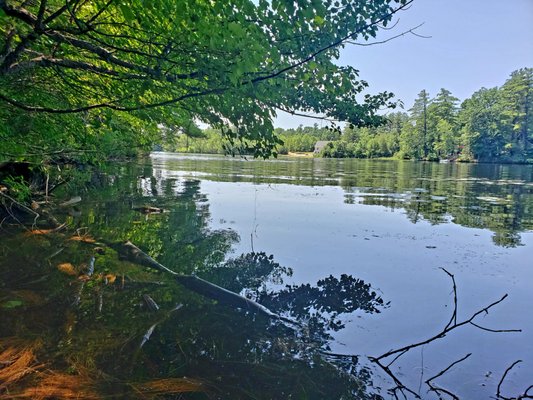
(78, 311)
(489, 196)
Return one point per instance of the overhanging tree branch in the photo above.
(154, 73)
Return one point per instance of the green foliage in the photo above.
(19, 189)
(483, 133)
(97, 78)
(303, 138)
(369, 142)
(493, 125)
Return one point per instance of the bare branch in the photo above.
(107, 56)
(45, 61)
(436, 389)
(292, 112)
(498, 390)
(399, 385)
(40, 15)
(452, 325)
(388, 28)
(453, 319)
(18, 13)
(494, 330)
(410, 31)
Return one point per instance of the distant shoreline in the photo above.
(301, 154)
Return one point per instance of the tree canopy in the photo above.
(493, 125)
(120, 69)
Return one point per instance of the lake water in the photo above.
(352, 250)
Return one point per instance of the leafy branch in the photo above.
(116, 66)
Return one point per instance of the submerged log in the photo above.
(149, 210)
(71, 202)
(223, 296)
(127, 250)
(150, 303)
(130, 252)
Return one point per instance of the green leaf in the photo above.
(319, 20)
(127, 12)
(12, 304)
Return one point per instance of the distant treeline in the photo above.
(492, 125)
(211, 141)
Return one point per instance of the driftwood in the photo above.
(130, 252)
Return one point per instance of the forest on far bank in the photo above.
(493, 125)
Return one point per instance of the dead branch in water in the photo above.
(450, 326)
(20, 206)
(525, 395)
(439, 390)
(132, 253)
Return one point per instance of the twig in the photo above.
(437, 389)
(450, 326)
(453, 319)
(20, 205)
(399, 385)
(411, 31)
(494, 330)
(498, 390)
(46, 187)
(526, 394)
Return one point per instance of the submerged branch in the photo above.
(130, 252)
(525, 395)
(450, 326)
(436, 389)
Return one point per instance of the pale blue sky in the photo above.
(473, 44)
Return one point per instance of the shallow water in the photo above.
(388, 226)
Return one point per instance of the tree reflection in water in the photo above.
(233, 354)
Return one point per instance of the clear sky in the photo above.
(473, 44)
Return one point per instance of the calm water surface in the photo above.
(352, 249)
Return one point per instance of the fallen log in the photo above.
(224, 296)
(127, 250)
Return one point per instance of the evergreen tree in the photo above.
(443, 124)
(419, 116)
(517, 102)
(483, 135)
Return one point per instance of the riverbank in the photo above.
(300, 154)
